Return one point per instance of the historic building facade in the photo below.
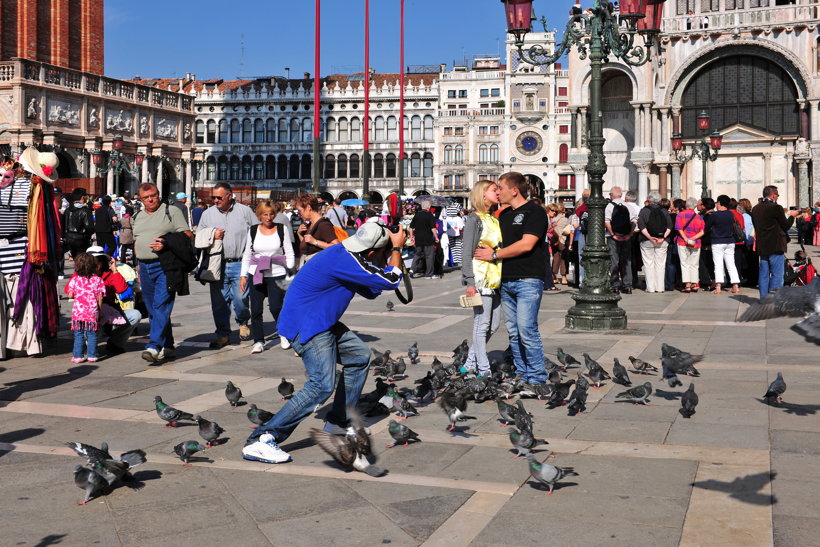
(752, 67)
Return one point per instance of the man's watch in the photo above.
(395, 249)
(495, 256)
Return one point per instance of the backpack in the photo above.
(621, 222)
(655, 224)
(76, 221)
(280, 231)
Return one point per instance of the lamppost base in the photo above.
(596, 312)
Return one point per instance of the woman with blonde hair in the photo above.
(558, 234)
(482, 278)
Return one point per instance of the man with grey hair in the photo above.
(424, 237)
(654, 225)
(620, 223)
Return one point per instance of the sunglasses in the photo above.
(217, 198)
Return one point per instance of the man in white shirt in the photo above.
(620, 221)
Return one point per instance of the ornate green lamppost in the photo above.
(700, 149)
(116, 163)
(598, 35)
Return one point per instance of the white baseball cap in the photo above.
(370, 235)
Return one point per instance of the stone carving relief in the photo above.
(165, 128)
(31, 109)
(93, 117)
(63, 112)
(120, 121)
(143, 125)
(186, 134)
(801, 147)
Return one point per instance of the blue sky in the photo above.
(167, 38)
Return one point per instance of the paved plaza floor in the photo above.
(738, 472)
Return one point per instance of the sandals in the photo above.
(554, 289)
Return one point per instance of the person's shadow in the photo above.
(14, 390)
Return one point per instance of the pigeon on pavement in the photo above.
(792, 302)
(524, 442)
(352, 450)
(688, 401)
(454, 404)
(506, 411)
(88, 480)
(641, 366)
(776, 389)
(637, 394)
(401, 433)
(233, 394)
(186, 449)
(577, 400)
(620, 376)
(389, 305)
(548, 474)
(113, 470)
(679, 361)
(89, 452)
(169, 413)
(413, 353)
(210, 431)
(285, 389)
(259, 416)
(463, 347)
(560, 394)
(566, 359)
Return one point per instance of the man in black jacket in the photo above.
(78, 225)
(104, 223)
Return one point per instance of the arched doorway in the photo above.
(169, 183)
(418, 193)
(619, 130)
(374, 197)
(67, 167)
(536, 186)
(348, 195)
(327, 196)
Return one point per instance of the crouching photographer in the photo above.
(315, 301)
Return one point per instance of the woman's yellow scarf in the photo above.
(488, 274)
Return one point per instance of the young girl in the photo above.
(87, 289)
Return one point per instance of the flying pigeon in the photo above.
(401, 433)
(285, 389)
(548, 474)
(566, 359)
(776, 390)
(90, 453)
(792, 302)
(637, 394)
(169, 413)
(390, 305)
(413, 353)
(620, 375)
(259, 416)
(688, 401)
(678, 361)
(641, 366)
(186, 449)
(113, 470)
(88, 480)
(232, 393)
(454, 405)
(210, 431)
(351, 450)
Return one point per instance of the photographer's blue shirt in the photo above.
(320, 293)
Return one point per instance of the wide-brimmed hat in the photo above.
(42, 164)
(96, 250)
(370, 235)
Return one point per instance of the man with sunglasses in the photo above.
(771, 225)
(315, 301)
(231, 222)
(153, 221)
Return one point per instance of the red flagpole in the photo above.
(401, 104)
(366, 83)
(317, 90)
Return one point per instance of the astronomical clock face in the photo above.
(529, 143)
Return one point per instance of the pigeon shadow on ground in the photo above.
(199, 459)
(462, 432)
(2, 369)
(668, 395)
(535, 485)
(745, 489)
(798, 410)
(147, 475)
(220, 441)
(745, 299)
(52, 539)
(12, 437)
(14, 390)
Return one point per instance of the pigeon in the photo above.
(523, 419)
(688, 401)
(285, 389)
(400, 404)
(389, 305)
(566, 359)
(637, 394)
(351, 450)
(463, 347)
(375, 410)
(560, 394)
(380, 359)
(376, 394)
(186, 449)
(582, 382)
(233, 394)
(792, 302)
(548, 474)
(642, 367)
(435, 363)
(396, 368)
(424, 387)
(506, 411)
(596, 373)
(678, 361)
(210, 431)
(413, 353)
(776, 389)
(523, 441)
(88, 480)
(113, 470)
(620, 375)
(90, 453)
(577, 401)
(401, 433)
(169, 413)
(454, 405)
(259, 416)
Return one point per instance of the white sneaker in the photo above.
(151, 355)
(167, 353)
(258, 347)
(285, 343)
(265, 450)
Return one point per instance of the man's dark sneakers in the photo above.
(626, 290)
(219, 342)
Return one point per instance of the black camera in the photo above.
(394, 229)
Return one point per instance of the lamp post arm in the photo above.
(573, 35)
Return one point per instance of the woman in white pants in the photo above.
(689, 228)
(655, 225)
(720, 225)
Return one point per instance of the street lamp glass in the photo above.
(519, 15)
(96, 157)
(716, 140)
(138, 158)
(118, 142)
(677, 141)
(703, 120)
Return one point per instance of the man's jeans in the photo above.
(320, 355)
(160, 304)
(620, 253)
(121, 333)
(86, 338)
(520, 300)
(226, 293)
(486, 319)
(770, 276)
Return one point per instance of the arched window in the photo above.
(331, 130)
(354, 165)
(211, 168)
(448, 154)
(341, 166)
(330, 166)
(356, 130)
(200, 131)
(390, 166)
(282, 167)
(295, 130)
(392, 129)
(428, 128)
(224, 132)
(247, 131)
(259, 130)
(270, 167)
(378, 166)
(493, 153)
(222, 167)
(563, 153)
(270, 130)
(344, 130)
(428, 164)
(458, 156)
(415, 164)
(378, 125)
(247, 166)
(283, 130)
(406, 165)
(235, 168)
(415, 128)
(258, 168)
(307, 165)
(235, 134)
(211, 135)
(483, 153)
(307, 130)
(293, 172)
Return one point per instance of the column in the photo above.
(145, 162)
(189, 177)
(664, 146)
(676, 193)
(643, 181)
(109, 182)
(638, 125)
(158, 181)
(580, 172)
(662, 182)
(814, 120)
(803, 182)
(584, 126)
(92, 169)
(767, 169)
(647, 125)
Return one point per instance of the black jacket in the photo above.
(79, 222)
(178, 260)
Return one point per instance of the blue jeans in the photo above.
(119, 336)
(85, 338)
(770, 276)
(520, 300)
(320, 355)
(581, 241)
(486, 319)
(160, 304)
(226, 293)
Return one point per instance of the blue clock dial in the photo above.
(529, 143)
